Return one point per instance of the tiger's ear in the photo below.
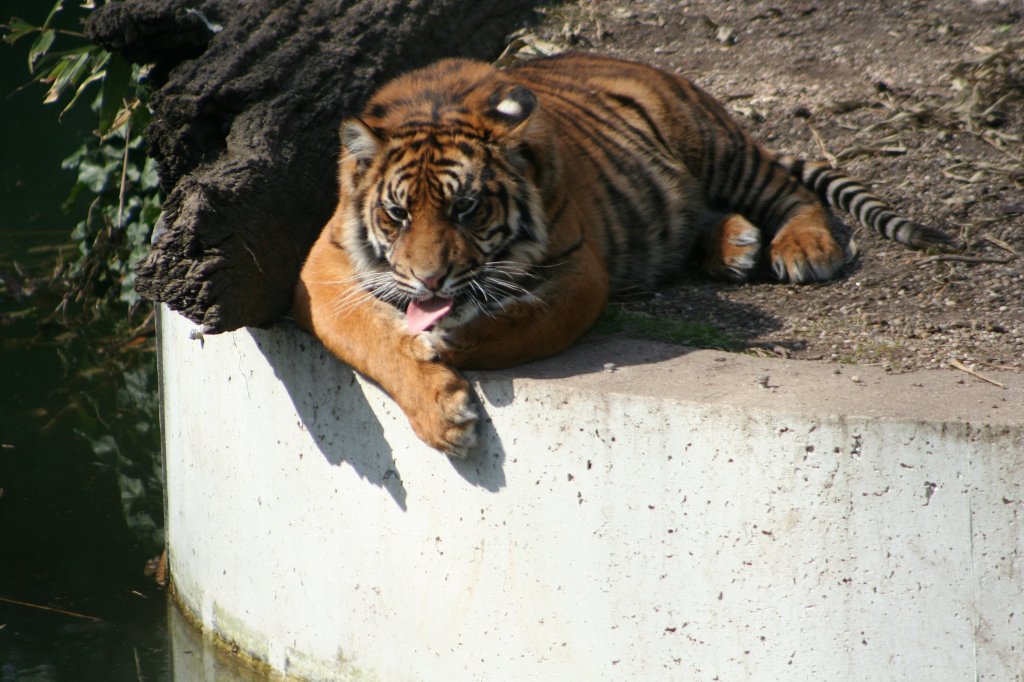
(359, 140)
(510, 109)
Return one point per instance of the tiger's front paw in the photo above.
(446, 418)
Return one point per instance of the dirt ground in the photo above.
(924, 100)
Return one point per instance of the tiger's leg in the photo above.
(732, 248)
(373, 338)
(804, 250)
(566, 307)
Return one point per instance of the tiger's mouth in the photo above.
(423, 314)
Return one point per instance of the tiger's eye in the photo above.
(463, 207)
(396, 213)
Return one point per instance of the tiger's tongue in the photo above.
(421, 315)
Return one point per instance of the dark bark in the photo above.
(245, 126)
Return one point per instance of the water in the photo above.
(80, 483)
(78, 518)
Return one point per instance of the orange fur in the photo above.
(804, 248)
(732, 248)
(502, 206)
(370, 336)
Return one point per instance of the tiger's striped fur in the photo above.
(484, 216)
(841, 191)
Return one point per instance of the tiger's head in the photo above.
(439, 180)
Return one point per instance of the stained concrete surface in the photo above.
(635, 511)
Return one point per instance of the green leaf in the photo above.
(69, 203)
(95, 176)
(79, 233)
(39, 48)
(73, 52)
(150, 179)
(112, 94)
(18, 29)
(72, 162)
(81, 88)
(112, 153)
(55, 73)
(132, 173)
(57, 6)
(141, 116)
(68, 77)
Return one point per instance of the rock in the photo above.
(245, 127)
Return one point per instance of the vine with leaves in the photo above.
(101, 330)
(112, 167)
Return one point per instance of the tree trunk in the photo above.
(245, 127)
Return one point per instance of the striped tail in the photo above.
(841, 191)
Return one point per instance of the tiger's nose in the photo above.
(432, 281)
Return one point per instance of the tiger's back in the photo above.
(670, 163)
(651, 163)
(629, 151)
(667, 160)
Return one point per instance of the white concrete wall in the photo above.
(669, 520)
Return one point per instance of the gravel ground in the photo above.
(923, 100)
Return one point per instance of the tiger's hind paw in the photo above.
(804, 250)
(732, 249)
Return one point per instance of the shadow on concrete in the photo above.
(345, 428)
(692, 305)
(348, 430)
(485, 467)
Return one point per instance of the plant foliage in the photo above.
(109, 393)
(115, 176)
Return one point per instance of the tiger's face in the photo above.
(442, 214)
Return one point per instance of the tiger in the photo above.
(485, 215)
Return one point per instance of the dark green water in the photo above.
(80, 508)
(81, 498)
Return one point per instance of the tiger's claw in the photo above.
(449, 421)
(804, 250)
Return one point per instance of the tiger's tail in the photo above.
(839, 190)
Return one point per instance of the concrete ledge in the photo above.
(670, 519)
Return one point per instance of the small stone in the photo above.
(725, 35)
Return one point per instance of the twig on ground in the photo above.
(964, 368)
(963, 259)
(870, 150)
(829, 156)
(64, 612)
(1001, 244)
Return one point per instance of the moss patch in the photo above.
(617, 320)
